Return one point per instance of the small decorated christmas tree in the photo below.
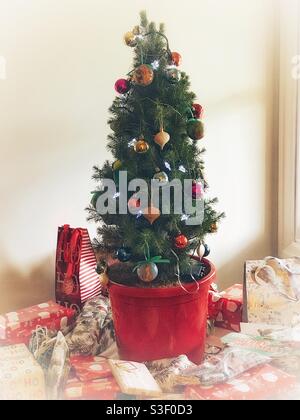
(156, 137)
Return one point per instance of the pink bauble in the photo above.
(197, 190)
(122, 86)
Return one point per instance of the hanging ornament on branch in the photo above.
(147, 270)
(202, 250)
(122, 86)
(101, 269)
(197, 111)
(143, 75)
(195, 129)
(117, 165)
(123, 254)
(176, 58)
(162, 138)
(172, 74)
(151, 214)
(130, 39)
(197, 190)
(141, 146)
(161, 177)
(214, 227)
(181, 241)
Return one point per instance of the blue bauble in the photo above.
(123, 254)
(207, 250)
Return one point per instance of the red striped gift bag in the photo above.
(76, 280)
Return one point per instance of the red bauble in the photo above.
(197, 190)
(176, 58)
(122, 86)
(181, 241)
(197, 111)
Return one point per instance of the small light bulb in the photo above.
(155, 64)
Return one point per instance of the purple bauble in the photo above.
(122, 86)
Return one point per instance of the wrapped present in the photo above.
(90, 368)
(17, 327)
(76, 280)
(21, 377)
(258, 383)
(226, 307)
(93, 332)
(167, 372)
(134, 378)
(99, 389)
(272, 291)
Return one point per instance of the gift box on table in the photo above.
(17, 327)
(21, 377)
(76, 280)
(226, 307)
(259, 383)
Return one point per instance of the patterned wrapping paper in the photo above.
(259, 383)
(90, 368)
(99, 389)
(272, 291)
(21, 377)
(76, 280)
(226, 307)
(17, 327)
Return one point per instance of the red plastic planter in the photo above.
(158, 323)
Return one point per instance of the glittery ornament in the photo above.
(122, 86)
(195, 129)
(143, 75)
(151, 213)
(197, 110)
(161, 177)
(172, 74)
(162, 138)
(141, 146)
(147, 272)
(130, 39)
(181, 241)
(176, 58)
(123, 254)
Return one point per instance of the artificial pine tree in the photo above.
(156, 134)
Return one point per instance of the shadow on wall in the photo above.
(19, 290)
(228, 271)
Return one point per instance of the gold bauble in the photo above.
(161, 177)
(104, 279)
(162, 138)
(141, 146)
(130, 39)
(117, 165)
(214, 227)
(151, 214)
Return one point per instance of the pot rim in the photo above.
(167, 291)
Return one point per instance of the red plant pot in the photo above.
(163, 322)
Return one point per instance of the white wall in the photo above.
(63, 57)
